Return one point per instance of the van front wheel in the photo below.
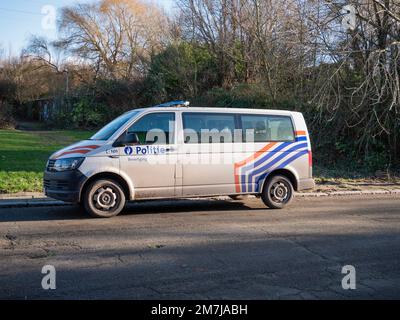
(278, 192)
(104, 199)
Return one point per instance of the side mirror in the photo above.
(128, 139)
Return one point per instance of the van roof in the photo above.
(218, 110)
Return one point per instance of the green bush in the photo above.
(88, 114)
(181, 71)
(244, 95)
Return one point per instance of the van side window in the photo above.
(208, 127)
(155, 128)
(267, 128)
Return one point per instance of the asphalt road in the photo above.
(205, 249)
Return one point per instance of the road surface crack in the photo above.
(309, 250)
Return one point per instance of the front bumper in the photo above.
(65, 186)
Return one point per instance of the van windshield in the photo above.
(107, 131)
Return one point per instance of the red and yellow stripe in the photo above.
(80, 150)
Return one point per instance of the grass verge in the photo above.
(23, 156)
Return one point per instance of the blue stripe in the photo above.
(269, 154)
(301, 139)
(281, 166)
(243, 179)
(276, 160)
(261, 160)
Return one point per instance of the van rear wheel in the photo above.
(104, 199)
(278, 192)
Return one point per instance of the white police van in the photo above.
(175, 151)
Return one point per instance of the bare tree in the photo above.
(45, 53)
(119, 36)
(254, 41)
(362, 82)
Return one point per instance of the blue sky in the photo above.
(19, 19)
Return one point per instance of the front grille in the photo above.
(56, 184)
(50, 165)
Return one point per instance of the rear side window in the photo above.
(208, 127)
(155, 128)
(266, 128)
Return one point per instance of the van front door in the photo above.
(151, 163)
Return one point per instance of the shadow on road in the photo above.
(208, 265)
(41, 214)
(133, 208)
(184, 205)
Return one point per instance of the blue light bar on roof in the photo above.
(175, 104)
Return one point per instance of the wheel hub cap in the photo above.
(279, 192)
(105, 198)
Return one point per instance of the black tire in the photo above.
(80, 206)
(278, 192)
(104, 199)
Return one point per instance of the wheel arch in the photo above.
(284, 172)
(107, 175)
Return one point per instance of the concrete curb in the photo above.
(347, 193)
(23, 196)
(19, 202)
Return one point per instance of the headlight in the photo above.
(67, 164)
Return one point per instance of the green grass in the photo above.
(23, 156)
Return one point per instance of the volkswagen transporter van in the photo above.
(175, 151)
